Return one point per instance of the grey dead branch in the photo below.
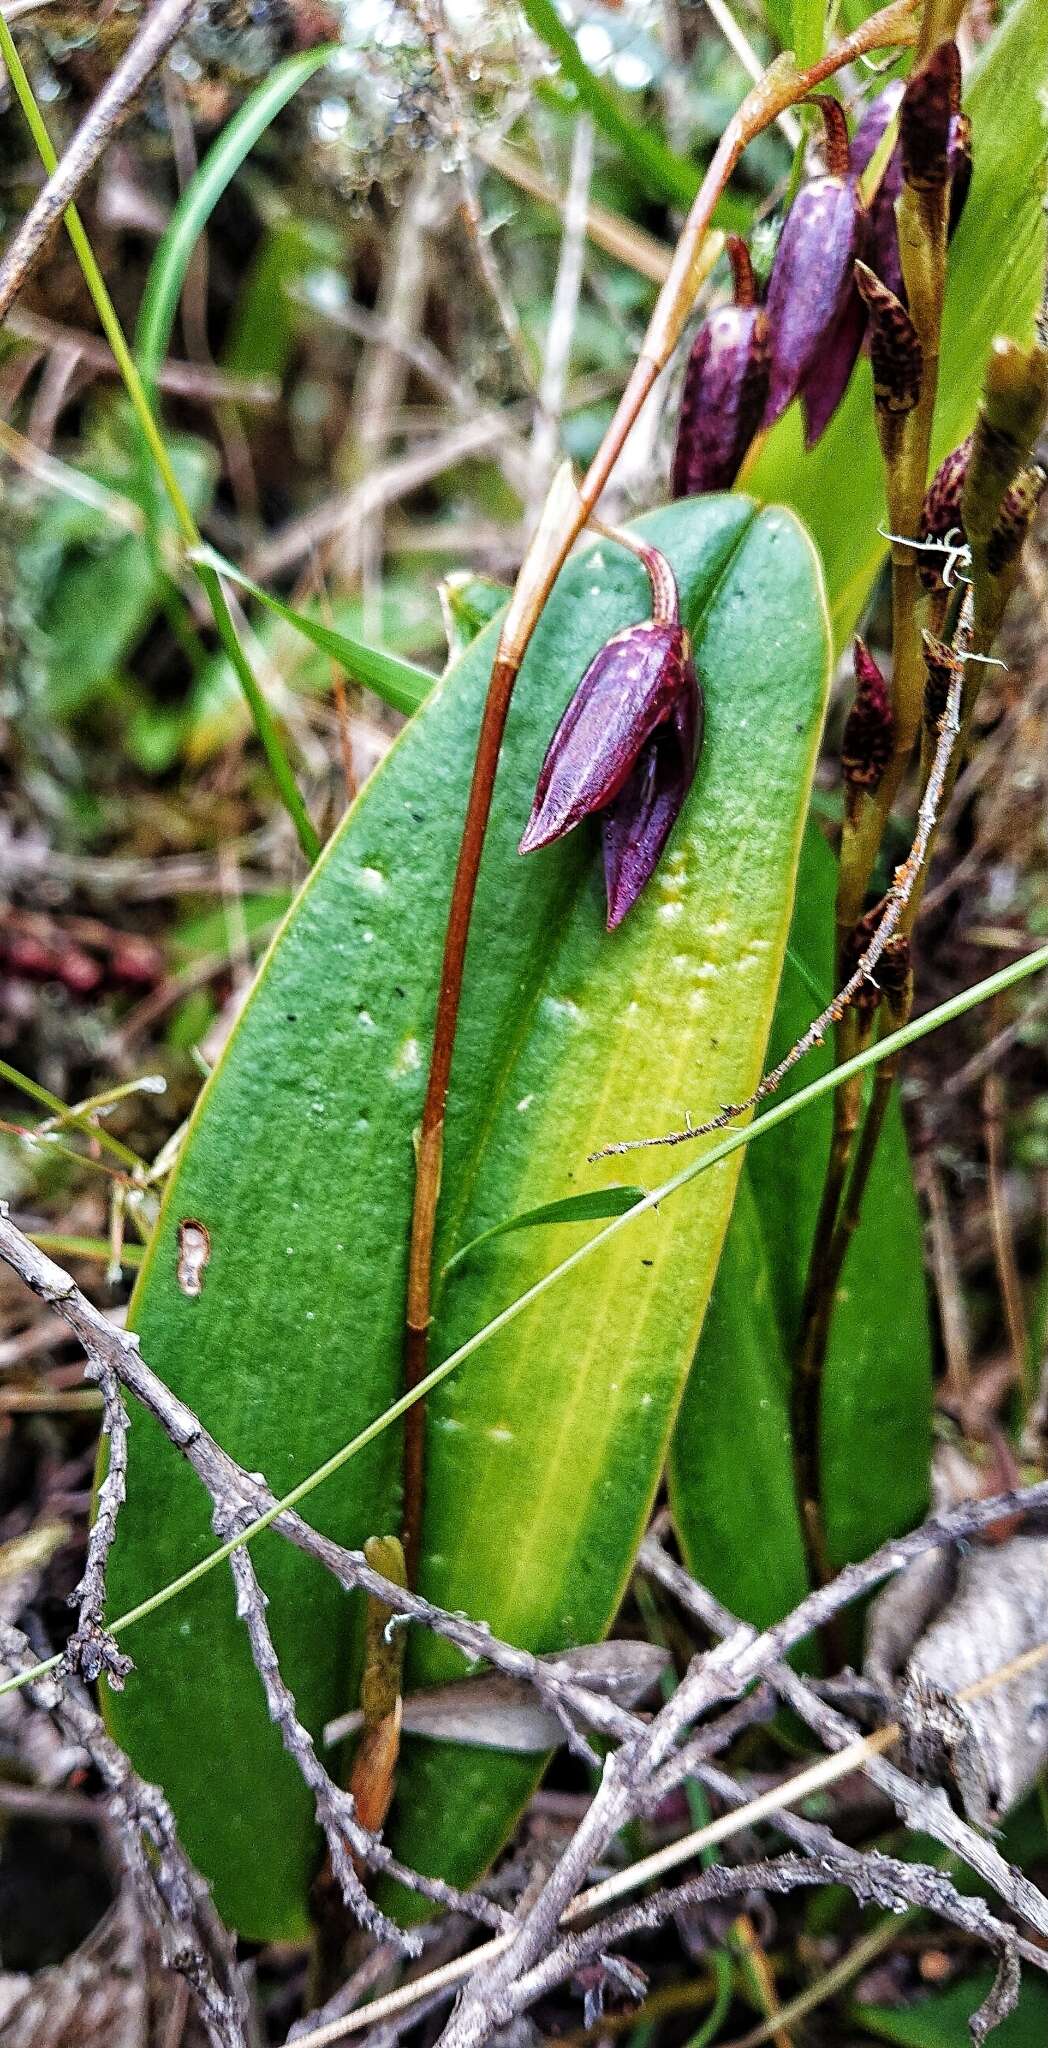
(560, 1927)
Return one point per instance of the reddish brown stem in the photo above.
(431, 1136)
(781, 87)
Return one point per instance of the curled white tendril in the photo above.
(953, 545)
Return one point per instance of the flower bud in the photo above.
(813, 272)
(895, 350)
(942, 667)
(941, 511)
(1014, 519)
(869, 732)
(830, 374)
(638, 822)
(882, 234)
(929, 103)
(725, 387)
(626, 748)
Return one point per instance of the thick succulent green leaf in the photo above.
(731, 1476)
(995, 278)
(544, 1453)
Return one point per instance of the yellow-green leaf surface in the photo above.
(545, 1450)
(731, 1468)
(996, 273)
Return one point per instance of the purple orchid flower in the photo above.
(725, 386)
(812, 278)
(827, 380)
(626, 748)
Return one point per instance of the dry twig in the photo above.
(171, 1892)
(162, 25)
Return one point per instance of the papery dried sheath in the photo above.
(725, 386)
(869, 731)
(895, 349)
(941, 668)
(1011, 416)
(941, 511)
(960, 158)
(813, 272)
(929, 103)
(1014, 519)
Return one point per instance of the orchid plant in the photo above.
(445, 1033)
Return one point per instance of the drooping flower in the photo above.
(882, 234)
(638, 822)
(830, 373)
(812, 277)
(626, 748)
(725, 387)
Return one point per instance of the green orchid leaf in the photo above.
(996, 273)
(731, 1466)
(594, 1207)
(545, 1451)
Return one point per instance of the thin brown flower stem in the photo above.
(665, 597)
(829, 1250)
(567, 511)
(906, 446)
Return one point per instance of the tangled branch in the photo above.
(566, 1926)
